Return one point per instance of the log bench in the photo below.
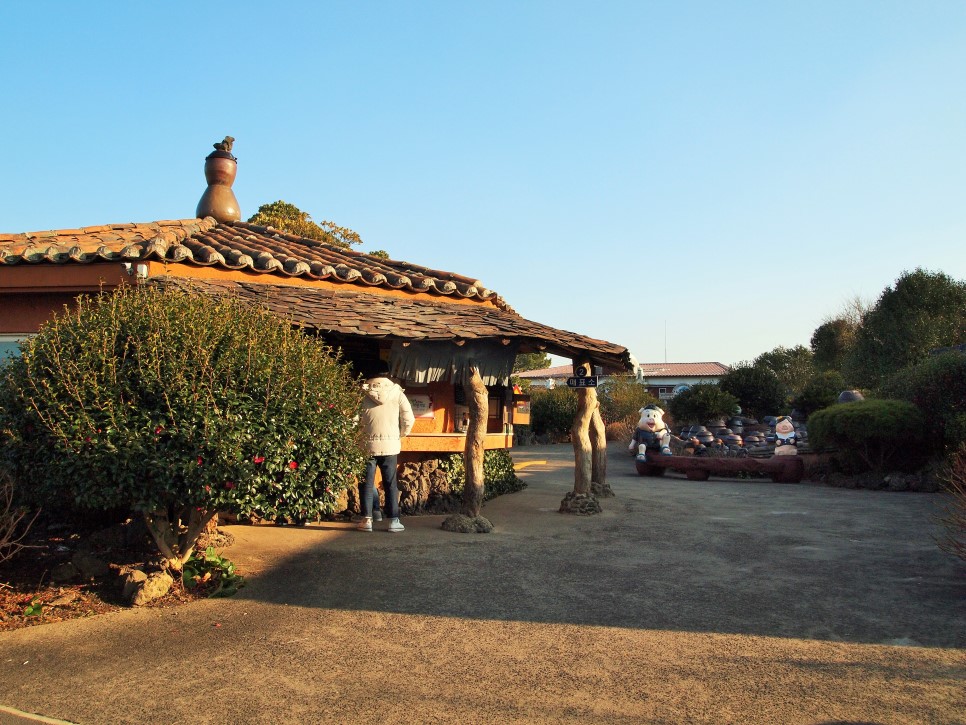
(782, 469)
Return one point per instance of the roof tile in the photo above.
(270, 254)
(353, 312)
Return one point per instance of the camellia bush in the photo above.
(179, 406)
(871, 435)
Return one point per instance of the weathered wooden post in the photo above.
(598, 443)
(580, 437)
(469, 519)
(582, 500)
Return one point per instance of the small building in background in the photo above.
(663, 380)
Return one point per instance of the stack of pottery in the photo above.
(732, 440)
(754, 439)
(702, 434)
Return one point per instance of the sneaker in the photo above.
(395, 527)
(364, 525)
(377, 515)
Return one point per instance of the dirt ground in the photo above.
(29, 595)
(705, 602)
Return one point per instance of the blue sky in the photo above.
(732, 173)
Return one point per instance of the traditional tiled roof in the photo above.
(684, 370)
(351, 313)
(650, 370)
(235, 246)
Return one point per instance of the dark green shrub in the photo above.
(937, 386)
(821, 391)
(622, 398)
(922, 311)
(179, 406)
(793, 365)
(522, 435)
(498, 474)
(701, 403)
(831, 342)
(757, 388)
(871, 435)
(552, 412)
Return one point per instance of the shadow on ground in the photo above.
(755, 558)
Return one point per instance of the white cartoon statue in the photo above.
(785, 438)
(651, 434)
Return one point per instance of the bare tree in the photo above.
(12, 531)
(954, 542)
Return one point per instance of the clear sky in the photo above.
(730, 172)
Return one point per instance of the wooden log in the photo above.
(478, 402)
(782, 469)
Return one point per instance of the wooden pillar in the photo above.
(478, 402)
(580, 437)
(598, 444)
(582, 499)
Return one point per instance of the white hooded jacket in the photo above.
(386, 417)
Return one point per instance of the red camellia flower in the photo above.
(229, 485)
(293, 465)
(157, 431)
(200, 461)
(258, 459)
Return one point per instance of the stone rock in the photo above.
(582, 504)
(131, 581)
(63, 573)
(156, 586)
(217, 538)
(602, 490)
(460, 524)
(89, 566)
(425, 487)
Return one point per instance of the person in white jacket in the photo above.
(385, 417)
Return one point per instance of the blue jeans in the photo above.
(368, 495)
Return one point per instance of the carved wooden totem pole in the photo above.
(590, 448)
